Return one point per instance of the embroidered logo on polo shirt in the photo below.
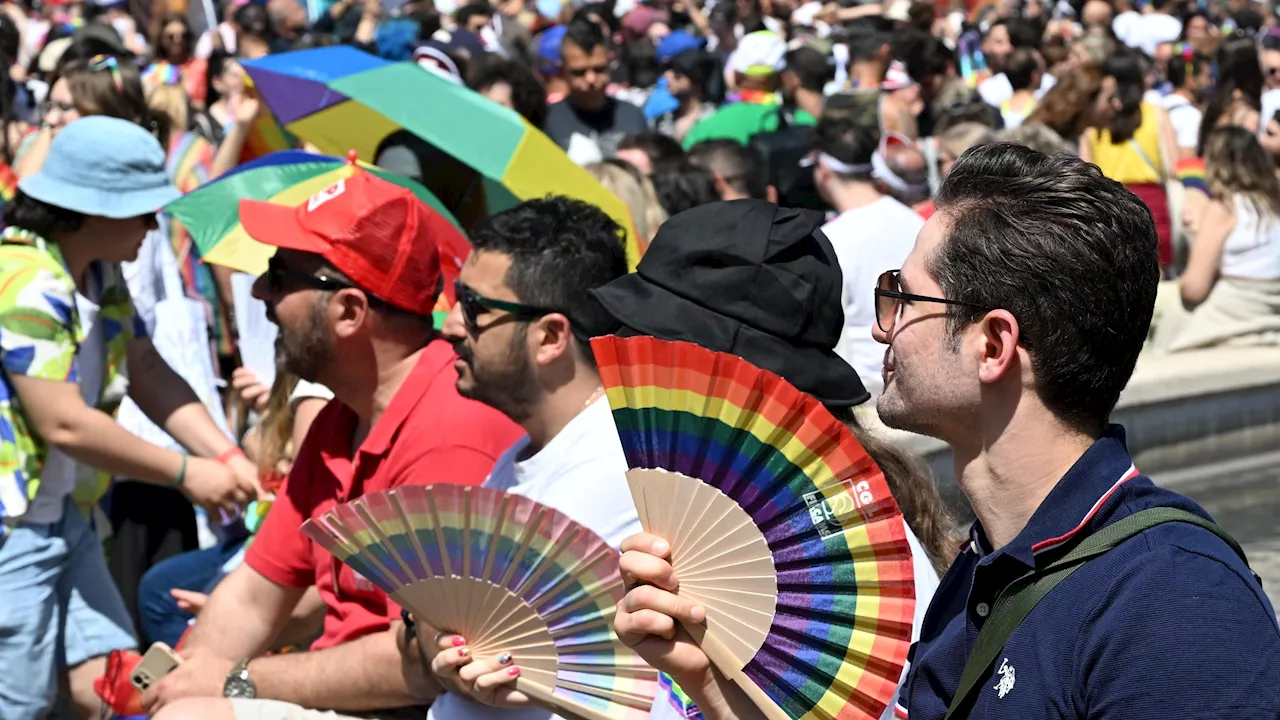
(1005, 672)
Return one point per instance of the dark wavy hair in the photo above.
(560, 249)
(1070, 253)
(1239, 77)
(39, 217)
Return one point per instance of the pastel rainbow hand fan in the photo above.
(780, 525)
(509, 575)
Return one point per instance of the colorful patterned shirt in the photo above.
(40, 334)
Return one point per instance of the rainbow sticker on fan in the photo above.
(780, 525)
(508, 574)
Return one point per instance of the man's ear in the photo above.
(771, 194)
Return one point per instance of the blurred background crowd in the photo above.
(857, 109)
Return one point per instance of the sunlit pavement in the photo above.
(1244, 497)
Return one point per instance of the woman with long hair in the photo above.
(101, 85)
(1132, 141)
(175, 60)
(622, 179)
(1236, 98)
(1232, 282)
(1067, 108)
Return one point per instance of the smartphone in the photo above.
(159, 660)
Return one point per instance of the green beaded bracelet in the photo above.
(182, 473)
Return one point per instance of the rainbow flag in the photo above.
(161, 73)
(1190, 172)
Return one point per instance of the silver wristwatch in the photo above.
(238, 684)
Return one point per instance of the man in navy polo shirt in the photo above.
(1012, 328)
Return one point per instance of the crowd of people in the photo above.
(975, 217)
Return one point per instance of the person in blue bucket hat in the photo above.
(68, 331)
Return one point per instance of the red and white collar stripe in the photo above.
(1129, 474)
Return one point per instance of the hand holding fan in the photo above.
(779, 523)
(508, 574)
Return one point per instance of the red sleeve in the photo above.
(279, 551)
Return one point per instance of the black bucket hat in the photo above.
(744, 277)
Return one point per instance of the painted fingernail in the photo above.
(504, 659)
(464, 652)
(513, 671)
(459, 641)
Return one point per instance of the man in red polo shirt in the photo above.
(352, 288)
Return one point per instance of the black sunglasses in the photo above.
(474, 304)
(279, 278)
(889, 297)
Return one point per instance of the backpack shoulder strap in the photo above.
(1023, 594)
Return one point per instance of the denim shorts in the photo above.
(58, 608)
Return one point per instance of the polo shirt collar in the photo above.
(1073, 503)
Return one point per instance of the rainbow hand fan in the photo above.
(509, 575)
(780, 526)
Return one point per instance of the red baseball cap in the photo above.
(375, 232)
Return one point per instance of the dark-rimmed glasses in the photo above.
(889, 297)
(279, 277)
(474, 304)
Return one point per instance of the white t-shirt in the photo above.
(1124, 25)
(1149, 31)
(1270, 105)
(1252, 250)
(1185, 118)
(996, 89)
(868, 240)
(58, 477)
(581, 473)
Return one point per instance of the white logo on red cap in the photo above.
(326, 195)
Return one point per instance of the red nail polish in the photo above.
(464, 652)
(459, 641)
(513, 671)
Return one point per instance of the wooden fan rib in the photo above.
(374, 526)
(570, 575)
(545, 694)
(729, 523)
(500, 525)
(531, 533)
(713, 598)
(636, 700)
(746, 559)
(394, 497)
(363, 554)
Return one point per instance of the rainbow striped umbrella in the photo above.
(339, 98)
(211, 212)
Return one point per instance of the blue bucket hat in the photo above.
(103, 166)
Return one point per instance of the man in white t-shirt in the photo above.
(872, 232)
(1147, 30)
(511, 328)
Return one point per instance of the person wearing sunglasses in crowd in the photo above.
(518, 352)
(351, 288)
(1018, 370)
(751, 279)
